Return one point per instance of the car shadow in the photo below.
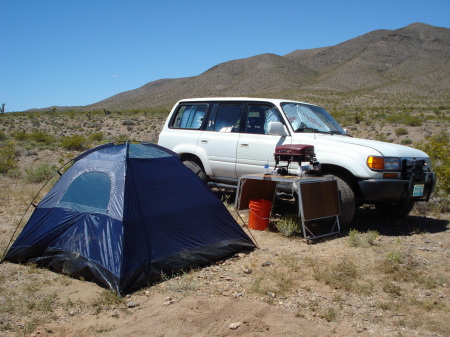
(369, 219)
(366, 219)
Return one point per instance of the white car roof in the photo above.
(258, 99)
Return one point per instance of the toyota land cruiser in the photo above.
(221, 139)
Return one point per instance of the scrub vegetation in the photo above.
(385, 276)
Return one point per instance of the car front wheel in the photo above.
(347, 200)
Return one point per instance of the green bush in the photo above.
(96, 136)
(15, 173)
(42, 137)
(40, 173)
(413, 121)
(404, 119)
(8, 157)
(438, 148)
(120, 138)
(74, 142)
(406, 141)
(2, 135)
(20, 135)
(289, 225)
(357, 239)
(401, 132)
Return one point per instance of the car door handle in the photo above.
(204, 141)
(244, 144)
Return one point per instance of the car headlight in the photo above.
(376, 163)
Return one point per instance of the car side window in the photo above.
(189, 116)
(259, 118)
(226, 118)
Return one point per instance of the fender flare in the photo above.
(189, 151)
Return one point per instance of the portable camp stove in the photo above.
(297, 153)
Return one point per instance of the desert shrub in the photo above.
(329, 314)
(15, 173)
(401, 132)
(412, 121)
(343, 274)
(2, 135)
(42, 137)
(289, 225)
(40, 173)
(96, 136)
(406, 141)
(438, 148)
(8, 157)
(120, 138)
(357, 239)
(381, 137)
(74, 142)
(404, 119)
(400, 266)
(20, 135)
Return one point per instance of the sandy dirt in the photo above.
(396, 286)
(275, 290)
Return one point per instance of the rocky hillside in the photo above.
(414, 59)
(407, 65)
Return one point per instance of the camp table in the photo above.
(318, 197)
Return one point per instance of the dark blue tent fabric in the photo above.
(144, 214)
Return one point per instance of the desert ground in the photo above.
(379, 277)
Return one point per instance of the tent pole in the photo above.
(28, 208)
(240, 217)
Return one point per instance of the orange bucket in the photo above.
(259, 214)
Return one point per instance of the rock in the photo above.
(267, 264)
(248, 271)
(131, 304)
(234, 326)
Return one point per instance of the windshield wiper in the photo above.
(305, 129)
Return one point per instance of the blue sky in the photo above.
(78, 52)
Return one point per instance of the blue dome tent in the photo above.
(125, 213)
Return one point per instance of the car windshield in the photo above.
(310, 118)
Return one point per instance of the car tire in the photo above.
(347, 200)
(197, 169)
(394, 210)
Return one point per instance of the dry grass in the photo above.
(391, 277)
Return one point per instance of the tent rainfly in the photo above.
(124, 214)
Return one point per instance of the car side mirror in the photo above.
(277, 128)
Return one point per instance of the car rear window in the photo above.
(189, 116)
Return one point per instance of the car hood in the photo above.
(384, 149)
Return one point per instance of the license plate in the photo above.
(418, 190)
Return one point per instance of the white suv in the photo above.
(221, 139)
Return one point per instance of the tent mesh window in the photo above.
(90, 192)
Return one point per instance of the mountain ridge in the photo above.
(409, 63)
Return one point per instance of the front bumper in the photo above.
(394, 190)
